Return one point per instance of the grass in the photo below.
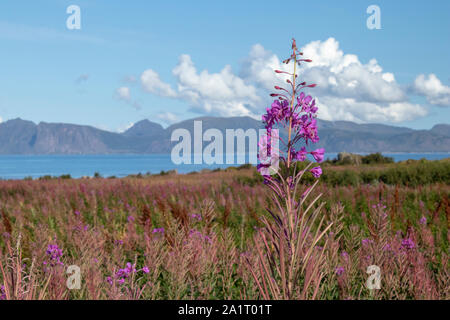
(209, 221)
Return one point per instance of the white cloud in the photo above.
(259, 68)
(335, 73)
(152, 83)
(433, 89)
(333, 108)
(223, 93)
(168, 117)
(123, 93)
(347, 89)
(125, 127)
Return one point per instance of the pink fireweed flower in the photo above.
(309, 131)
(124, 273)
(130, 218)
(408, 244)
(299, 155)
(306, 103)
(303, 100)
(278, 112)
(318, 154)
(340, 271)
(54, 253)
(423, 221)
(158, 230)
(316, 171)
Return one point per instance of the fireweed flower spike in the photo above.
(289, 267)
(54, 254)
(126, 273)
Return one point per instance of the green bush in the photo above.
(376, 158)
(408, 173)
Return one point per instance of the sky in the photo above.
(171, 61)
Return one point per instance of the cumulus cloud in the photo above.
(124, 94)
(350, 109)
(347, 89)
(224, 93)
(168, 117)
(433, 89)
(151, 82)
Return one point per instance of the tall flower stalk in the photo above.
(288, 246)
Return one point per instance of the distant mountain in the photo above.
(441, 129)
(25, 137)
(144, 128)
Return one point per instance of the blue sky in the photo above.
(95, 75)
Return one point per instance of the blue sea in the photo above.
(120, 165)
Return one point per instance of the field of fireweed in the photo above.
(193, 237)
(236, 234)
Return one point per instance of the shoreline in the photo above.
(176, 172)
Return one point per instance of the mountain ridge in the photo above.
(18, 136)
